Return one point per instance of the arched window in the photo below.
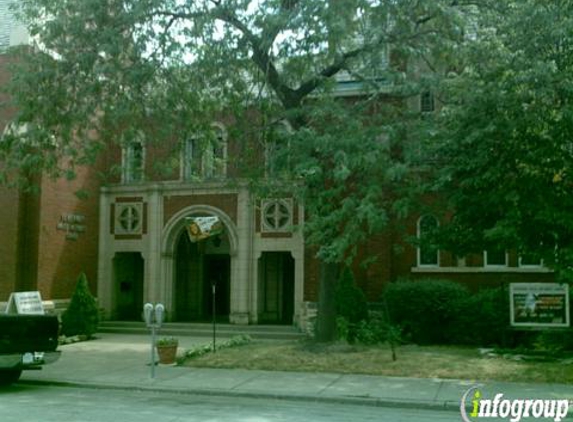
(205, 157)
(215, 154)
(277, 146)
(133, 161)
(428, 253)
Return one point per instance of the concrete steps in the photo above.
(266, 332)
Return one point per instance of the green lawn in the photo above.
(413, 361)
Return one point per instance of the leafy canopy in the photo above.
(504, 135)
(105, 71)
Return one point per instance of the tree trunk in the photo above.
(326, 319)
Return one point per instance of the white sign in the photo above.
(539, 304)
(28, 303)
(200, 228)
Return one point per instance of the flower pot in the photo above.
(167, 353)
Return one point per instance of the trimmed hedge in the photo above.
(427, 311)
(445, 312)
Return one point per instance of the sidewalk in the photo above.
(122, 361)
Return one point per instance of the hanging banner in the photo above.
(539, 304)
(200, 228)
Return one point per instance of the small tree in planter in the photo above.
(82, 316)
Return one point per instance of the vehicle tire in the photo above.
(9, 376)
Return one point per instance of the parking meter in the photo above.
(148, 314)
(153, 316)
(159, 314)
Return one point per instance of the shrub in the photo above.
(427, 311)
(484, 318)
(554, 342)
(82, 316)
(375, 330)
(351, 306)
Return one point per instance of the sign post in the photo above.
(539, 305)
(153, 316)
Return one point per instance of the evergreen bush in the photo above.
(82, 316)
(351, 306)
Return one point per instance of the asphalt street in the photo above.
(35, 403)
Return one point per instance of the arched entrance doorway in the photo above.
(199, 266)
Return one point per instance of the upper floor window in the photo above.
(277, 146)
(133, 159)
(427, 104)
(495, 257)
(428, 253)
(205, 157)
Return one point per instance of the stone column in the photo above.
(155, 287)
(105, 256)
(241, 270)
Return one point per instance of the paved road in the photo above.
(31, 403)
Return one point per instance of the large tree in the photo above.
(100, 71)
(504, 139)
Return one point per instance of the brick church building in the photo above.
(128, 234)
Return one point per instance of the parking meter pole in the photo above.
(153, 316)
(152, 364)
(214, 313)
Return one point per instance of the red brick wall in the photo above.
(311, 273)
(61, 260)
(9, 208)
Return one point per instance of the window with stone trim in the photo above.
(428, 254)
(528, 260)
(133, 161)
(277, 150)
(205, 156)
(427, 103)
(495, 257)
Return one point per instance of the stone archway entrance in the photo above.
(197, 267)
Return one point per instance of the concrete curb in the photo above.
(358, 401)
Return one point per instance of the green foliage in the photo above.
(554, 342)
(504, 134)
(167, 341)
(426, 310)
(350, 299)
(376, 330)
(484, 318)
(204, 349)
(82, 316)
(351, 306)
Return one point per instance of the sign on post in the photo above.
(25, 303)
(539, 305)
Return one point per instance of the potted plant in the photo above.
(167, 349)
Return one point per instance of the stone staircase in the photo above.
(187, 329)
